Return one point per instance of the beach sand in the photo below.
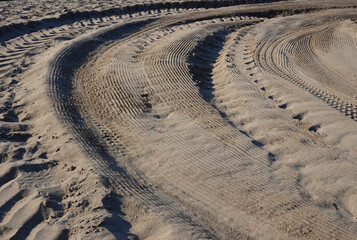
(178, 120)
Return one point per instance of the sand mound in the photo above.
(179, 120)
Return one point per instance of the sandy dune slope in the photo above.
(178, 120)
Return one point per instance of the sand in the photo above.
(178, 120)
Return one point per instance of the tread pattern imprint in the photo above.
(194, 119)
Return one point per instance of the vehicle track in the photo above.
(190, 114)
(269, 48)
(129, 107)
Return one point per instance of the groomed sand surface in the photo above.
(178, 119)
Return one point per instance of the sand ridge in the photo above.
(185, 120)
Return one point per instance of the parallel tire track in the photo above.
(177, 104)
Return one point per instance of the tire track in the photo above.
(208, 165)
(167, 93)
(130, 117)
(230, 85)
(275, 91)
(119, 177)
(265, 59)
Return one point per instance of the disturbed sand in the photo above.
(178, 120)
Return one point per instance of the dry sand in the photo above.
(178, 120)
